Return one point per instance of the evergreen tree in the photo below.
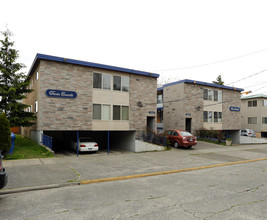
(5, 139)
(218, 80)
(13, 85)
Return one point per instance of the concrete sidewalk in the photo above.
(64, 170)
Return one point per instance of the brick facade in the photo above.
(183, 100)
(63, 114)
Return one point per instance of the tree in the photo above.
(5, 140)
(13, 85)
(218, 80)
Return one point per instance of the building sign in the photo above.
(234, 109)
(152, 112)
(61, 94)
(188, 114)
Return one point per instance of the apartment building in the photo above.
(101, 101)
(254, 114)
(191, 105)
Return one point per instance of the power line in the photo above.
(215, 62)
(247, 77)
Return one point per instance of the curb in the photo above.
(35, 188)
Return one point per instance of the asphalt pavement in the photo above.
(67, 169)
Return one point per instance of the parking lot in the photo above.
(210, 182)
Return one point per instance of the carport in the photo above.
(107, 140)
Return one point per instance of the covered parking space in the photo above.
(107, 140)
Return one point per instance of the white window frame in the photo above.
(218, 118)
(252, 120)
(36, 106)
(36, 76)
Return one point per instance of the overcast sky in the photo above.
(189, 39)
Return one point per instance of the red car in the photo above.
(180, 138)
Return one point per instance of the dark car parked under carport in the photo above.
(3, 174)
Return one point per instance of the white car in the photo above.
(85, 145)
(248, 133)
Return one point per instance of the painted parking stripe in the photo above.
(167, 172)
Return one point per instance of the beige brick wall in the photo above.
(185, 100)
(231, 119)
(62, 113)
(194, 105)
(142, 89)
(173, 113)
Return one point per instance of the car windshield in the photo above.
(185, 133)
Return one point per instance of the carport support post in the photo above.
(77, 144)
(108, 142)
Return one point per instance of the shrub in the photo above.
(215, 135)
(5, 139)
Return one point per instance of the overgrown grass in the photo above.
(25, 148)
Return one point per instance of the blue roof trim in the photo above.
(204, 84)
(90, 64)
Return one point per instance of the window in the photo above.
(106, 81)
(121, 83)
(101, 81)
(120, 112)
(264, 120)
(117, 83)
(174, 133)
(36, 76)
(160, 98)
(252, 103)
(217, 96)
(125, 113)
(205, 94)
(105, 112)
(97, 80)
(101, 112)
(31, 109)
(125, 83)
(207, 115)
(264, 103)
(36, 106)
(210, 94)
(217, 117)
(97, 111)
(252, 120)
(116, 112)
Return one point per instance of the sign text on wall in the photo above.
(61, 94)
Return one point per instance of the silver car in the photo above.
(248, 133)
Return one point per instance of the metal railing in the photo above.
(153, 138)
(47, 141)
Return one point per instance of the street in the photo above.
(227, 192)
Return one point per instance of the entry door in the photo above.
(188, 122)
(151, 124)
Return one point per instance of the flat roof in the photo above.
(201, 83)
(254, 96)
(85, 63)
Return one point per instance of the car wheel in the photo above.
(176, 145)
